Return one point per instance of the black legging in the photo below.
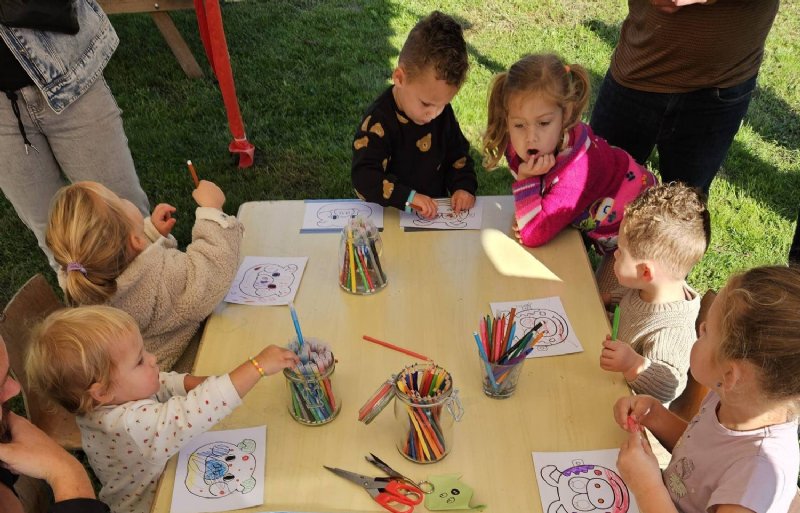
(794, 251)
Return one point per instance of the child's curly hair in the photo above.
(436, 41)
(670, 224)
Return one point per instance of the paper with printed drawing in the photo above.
(326, 216)
(445, 218)
(220, 471)
(582, 481)
(559, 337)
(267, 281)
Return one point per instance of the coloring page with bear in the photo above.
(267, 281)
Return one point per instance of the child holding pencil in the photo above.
(664, 234)
(739, 454)
(409, 148)
(109, 254)
(91, 360)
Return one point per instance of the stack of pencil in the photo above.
(310, 388)
(423, 391)
(497, 349)
(361, 271)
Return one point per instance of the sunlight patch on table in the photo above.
(512, 259)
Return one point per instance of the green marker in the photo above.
(615, 325)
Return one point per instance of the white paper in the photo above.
(333, 215)
(266, 281)
(445, 218)
(584, 481)
(220, 471)
(559, 337)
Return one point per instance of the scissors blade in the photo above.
(363, 481)
(381, 465)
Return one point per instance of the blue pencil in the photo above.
(296, 324)
(485, 359)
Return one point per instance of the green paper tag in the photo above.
(449, 492)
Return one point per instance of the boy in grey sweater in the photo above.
(665, 232)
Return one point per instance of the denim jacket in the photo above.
(64, 66)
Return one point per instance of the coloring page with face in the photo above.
(267, 281)
(446, 218)
(330, 216)
(220, 471)
(558, 337)
(585, 481)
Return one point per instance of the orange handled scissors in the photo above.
(394, 495)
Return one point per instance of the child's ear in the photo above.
(99, 394)
(137, 242)
(399, 76)
(646, 271)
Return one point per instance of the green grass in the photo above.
(306, 69)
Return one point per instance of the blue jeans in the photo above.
(692, 131)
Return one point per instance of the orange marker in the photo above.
(194, 173)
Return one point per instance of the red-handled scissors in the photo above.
(396, 496)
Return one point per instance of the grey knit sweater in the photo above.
(663, 334)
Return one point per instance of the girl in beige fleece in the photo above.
(109, 254)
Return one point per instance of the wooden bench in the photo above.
(159, 11)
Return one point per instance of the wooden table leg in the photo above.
(177, 44)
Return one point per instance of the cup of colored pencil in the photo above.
(361, 269)
(311, 397)
(425, 410)
(502, 352)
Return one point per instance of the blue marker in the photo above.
(296, 325)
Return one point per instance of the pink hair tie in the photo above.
(75, 266)
(566, 68)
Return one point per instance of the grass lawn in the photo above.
(306, 69)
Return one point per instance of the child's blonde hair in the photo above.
(566, 85)
(761, 324)
(71, 350)
(670, 224)
(89, 229)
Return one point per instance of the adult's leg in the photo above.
(28, 179)
(89, 143)
(698, 132)
(627, 118)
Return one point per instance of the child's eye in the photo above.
(519, 126)
(544, 123)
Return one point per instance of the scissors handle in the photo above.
(395, 503)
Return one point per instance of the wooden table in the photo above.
(440, 283)
(159, 12)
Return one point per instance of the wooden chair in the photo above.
(687, 404)
(32, 303)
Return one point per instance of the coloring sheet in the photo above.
(267, 281)
(326, 216)
(221, 470)
(445, 218)
(585, 481)
(559, 337)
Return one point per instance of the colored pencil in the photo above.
(485, 359)
(615, 326)
(194, 174)
(396, 348)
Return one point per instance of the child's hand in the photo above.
(462, 200)
(274, 359)
(631, 412)
(162, 218)
(424, 205)
(537, 166)
(207, 194)
(618, 356)
(638, 466)
(515, 230)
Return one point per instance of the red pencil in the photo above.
(396, 348)
(194, 173)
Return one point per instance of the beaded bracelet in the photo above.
(257, 366)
